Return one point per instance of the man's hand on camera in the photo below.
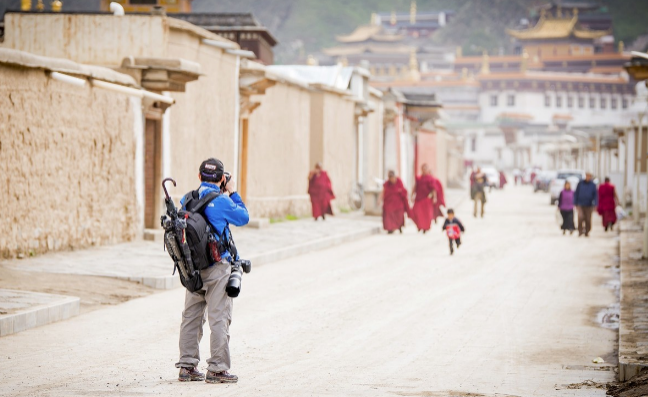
(231, 186)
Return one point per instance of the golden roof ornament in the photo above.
(621, 47)
(311, 61)
(559, 11)
(464, 74)
(374, 19)
(392, 19)
(413, 62)
(57, 5)
(524, 62)
(459, 52)
(40, 6)
(543, 13)
(25, 5)
(343, 61)
(575, 12)
(485, 69)
(413, 12)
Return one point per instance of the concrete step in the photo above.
(26, 309)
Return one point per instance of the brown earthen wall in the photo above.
(278, 153)
(66, 165)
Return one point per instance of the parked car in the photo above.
(543, 180)
(557, 185)
(492, 176)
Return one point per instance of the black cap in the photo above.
(212, 170)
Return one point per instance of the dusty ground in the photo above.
(95, 292)
(512, 313)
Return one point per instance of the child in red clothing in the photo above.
(453, 228)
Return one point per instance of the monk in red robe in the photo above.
(424, 197)
(440, 200)
(395, 204)
(607, 202)
(321, 192)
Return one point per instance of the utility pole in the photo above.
(635, 199)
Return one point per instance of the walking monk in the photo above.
(608, 200)
(320, 191)
(440, 200)
(395, 205)
(424, 197)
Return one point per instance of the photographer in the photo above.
(227, 208)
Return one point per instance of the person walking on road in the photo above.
(566, 207)
(502, 180)
(395, 204)
(223, 210)
(453, 228)
(440, 200)
(424, 197)
(608, 200)
(321, 192)
(585, 200)
(478, 191)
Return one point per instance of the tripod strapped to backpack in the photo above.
(175, 242)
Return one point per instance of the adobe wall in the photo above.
(278, 153)
(67, 159)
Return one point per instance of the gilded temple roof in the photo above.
(369, 32)
(557, 28)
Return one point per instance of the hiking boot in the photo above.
(190, 374)
(220, 377)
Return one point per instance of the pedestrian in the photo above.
(566, 208)
(502, 180)
(453, 228)
(440, 200)
(478, 191)
(395, 204)
(321, 192)
(225, 209)
(608, 200)
(424, 197)
(585, 200)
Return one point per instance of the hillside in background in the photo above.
(305, 26)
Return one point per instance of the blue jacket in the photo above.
(223, 211)
(586, 194)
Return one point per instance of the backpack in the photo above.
(198, 231)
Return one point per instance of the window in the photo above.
(558, 101)
(624, 103)
(151, 2)
(581, 102)
(570, 102)
(592, 102)
(493, 100)
(614, 103)
(603, 103)
(547, 101)
(510, 100)
(473, 144)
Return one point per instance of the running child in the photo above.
(453, 228)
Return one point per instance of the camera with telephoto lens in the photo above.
(234, 283)
(228, 177)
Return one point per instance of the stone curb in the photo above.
(173, 281)
(633, 324)
(63, 309)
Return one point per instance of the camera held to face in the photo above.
(234, 283)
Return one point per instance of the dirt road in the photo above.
(513, 313)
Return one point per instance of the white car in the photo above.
(557, 185)
(492, 176)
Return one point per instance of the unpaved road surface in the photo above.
(513, 313)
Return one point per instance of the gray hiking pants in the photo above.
(212, 297)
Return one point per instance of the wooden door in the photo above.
(152, 172)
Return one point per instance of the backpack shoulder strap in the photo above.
(200, 205)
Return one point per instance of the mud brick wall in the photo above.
(278, 153)
(67, 177)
